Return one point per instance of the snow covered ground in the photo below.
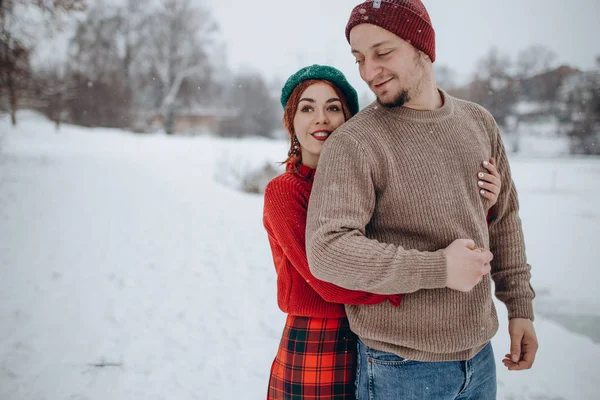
(127, 271)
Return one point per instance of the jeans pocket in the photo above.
(385, 358)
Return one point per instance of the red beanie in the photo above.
(408, 19)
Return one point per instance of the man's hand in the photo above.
(523, 345)
(466, 265)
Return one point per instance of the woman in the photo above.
(316, 357)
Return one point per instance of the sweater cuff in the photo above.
(433, 270)
(519, 308)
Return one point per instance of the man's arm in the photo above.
(510, 270)
(340, 207)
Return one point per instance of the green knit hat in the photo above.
(322, 72)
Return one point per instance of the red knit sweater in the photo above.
(298, 291)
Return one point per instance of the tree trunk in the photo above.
(12, 93)
(59, 110)
(169, 122)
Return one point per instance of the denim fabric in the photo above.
(385, 376)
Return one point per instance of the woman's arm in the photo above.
(285, 221)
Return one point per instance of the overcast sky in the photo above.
(279, 36)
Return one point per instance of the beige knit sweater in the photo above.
(396, 186)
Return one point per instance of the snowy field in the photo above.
(127, 271)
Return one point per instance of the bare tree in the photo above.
(493, 87)
(258, 111)
(494, 68)
(133, 20)
(534, 60)
(54, 88)
(14, 71)
(582, 113)
(94, 49)
(97, 55)
(180, 38)
(20, 22)
(113, 45)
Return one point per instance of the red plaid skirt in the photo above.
(316, 360)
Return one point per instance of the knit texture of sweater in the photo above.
(394, 188)
(298, 291)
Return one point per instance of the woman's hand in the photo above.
(489, 183)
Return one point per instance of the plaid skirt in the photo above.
(316, 360)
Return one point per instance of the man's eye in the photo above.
(383, 54)
(358, 61)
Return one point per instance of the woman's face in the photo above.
(318, 114)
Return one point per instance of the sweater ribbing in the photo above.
(395, 187)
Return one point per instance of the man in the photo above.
(392, 211)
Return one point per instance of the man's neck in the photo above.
(429, 98)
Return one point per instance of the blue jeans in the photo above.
(385, 376)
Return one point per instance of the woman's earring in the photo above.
(295, 149)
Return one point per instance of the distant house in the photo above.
(545, 86)
(539, 104)
(196, 120)
(577, 91)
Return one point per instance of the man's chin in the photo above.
(389, 102)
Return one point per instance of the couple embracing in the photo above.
(389, 225)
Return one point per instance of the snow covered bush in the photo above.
(246, 177)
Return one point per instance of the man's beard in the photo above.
(401, 98)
